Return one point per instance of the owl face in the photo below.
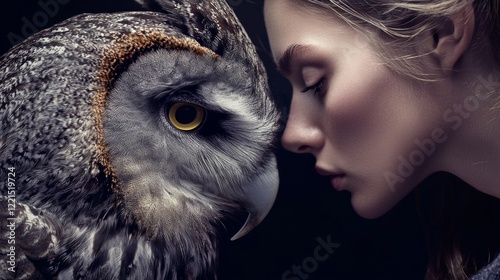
(136, 133)
(186, 133)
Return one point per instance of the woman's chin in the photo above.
(370, 208)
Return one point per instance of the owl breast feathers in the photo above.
(128, 139)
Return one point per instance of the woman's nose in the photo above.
(302, 133)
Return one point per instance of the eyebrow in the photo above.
(285, 61)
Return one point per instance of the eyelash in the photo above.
(317, 88)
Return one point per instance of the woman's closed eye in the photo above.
(317, 88)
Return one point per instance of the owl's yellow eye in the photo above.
(185, 116)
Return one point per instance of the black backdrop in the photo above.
(307, 213)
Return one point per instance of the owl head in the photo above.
(135, 135)
(188, 124)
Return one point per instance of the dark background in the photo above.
(307, 208)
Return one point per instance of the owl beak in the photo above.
(259, 196)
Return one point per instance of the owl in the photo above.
(128, 139)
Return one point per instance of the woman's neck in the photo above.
(472, 151)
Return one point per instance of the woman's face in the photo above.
(370, 130)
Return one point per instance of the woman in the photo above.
(388, 93)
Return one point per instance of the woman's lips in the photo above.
(337, 181)
(336, 178)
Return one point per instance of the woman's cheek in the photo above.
(360, 115)
(372, 125)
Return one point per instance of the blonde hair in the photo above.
(400, 26)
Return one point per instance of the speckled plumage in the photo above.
(114, 190)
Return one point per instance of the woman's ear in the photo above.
(454, 37)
